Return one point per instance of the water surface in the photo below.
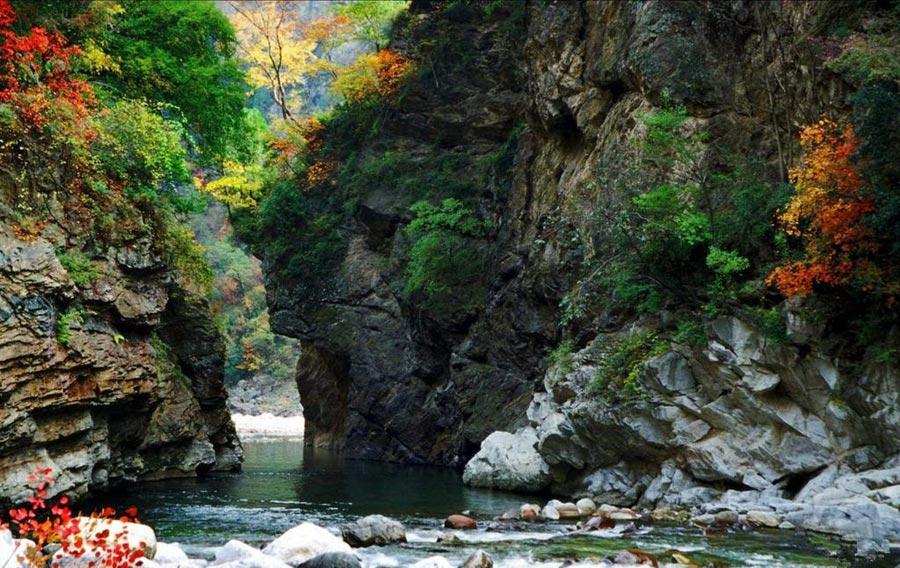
(283, 485)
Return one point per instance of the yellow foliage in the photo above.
(240, 185)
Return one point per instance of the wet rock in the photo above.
(550, 513)
(871, 525)
(530, 513)
(763, 519)
(449, 538)
(478, 559)
(586, 506)
(373, 530)
(304, 542)
(510, 462)
(432, 562)
(333, 560)
(460, 522)
(621, 514)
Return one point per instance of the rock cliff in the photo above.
(111, 369)
(561, 87)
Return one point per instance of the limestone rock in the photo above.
(304, 542)
(373, 530)
(478, 559)
(510, 462)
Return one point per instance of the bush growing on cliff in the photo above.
(81, 269)
(446, 260)
(617, 372)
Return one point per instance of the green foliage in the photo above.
(182, 54)
(446, 259)
(81, 269)
(64, 322)
(691, 332)
(726, 263)
(186, 256)
(617, 373)
(770, 323)
(291, 230)
(372, 19)
(561, 356)
(239, 299)
(872, 57)
(139, 147)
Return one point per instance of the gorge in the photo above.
(637, 251)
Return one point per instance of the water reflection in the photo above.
(284, 484)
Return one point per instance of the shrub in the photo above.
(446, 260)
(617, 373)
(81, 269)
(64, 322)
(561, 356)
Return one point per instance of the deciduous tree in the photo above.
(828, 214)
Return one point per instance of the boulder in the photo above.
(135, 536)
(550, 513)
(373, 530)
(236, 554)
(460, 522)
(12, 549)
(586, 506)
(173, 556)
(509, 461)
(333, 560)
(763, 519)
(478, 559)
(235, 550)
(303, 543)
(433, 562)
(530, 513)
(567, 511)
(621, 514)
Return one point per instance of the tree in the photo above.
(280, 49)
(371, 19)
(181, 54)
(828, 214)
(35, 72)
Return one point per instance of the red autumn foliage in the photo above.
(829, 214)
(57, 525)
(35, 72)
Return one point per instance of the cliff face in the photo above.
(115, 378)
(385, 377)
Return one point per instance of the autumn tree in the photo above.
(828, 214)
(279, 49)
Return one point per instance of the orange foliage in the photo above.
(373, 74)
(320, 172)
(326, 29)
(35, 72)
(392, 70)
(828, 212)
(251, 359)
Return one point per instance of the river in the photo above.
(282, 485)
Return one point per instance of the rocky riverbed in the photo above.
(596, 536)
(742, 428)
